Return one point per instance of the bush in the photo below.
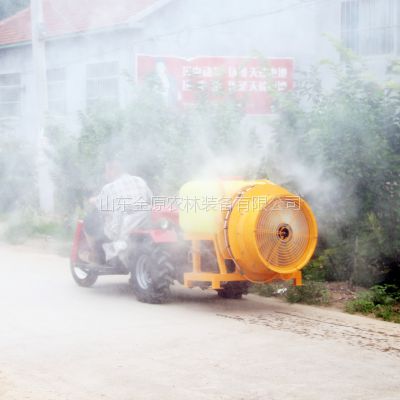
(381, 300)
(341, 147)
(17, 173)
(359, 305)
(387, 313)
(164, 145)
(309, 293)
(269, 289)
(316, 269)
(385, 294)
(27, 223)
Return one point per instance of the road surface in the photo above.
(59, 341)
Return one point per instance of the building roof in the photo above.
(64, 17)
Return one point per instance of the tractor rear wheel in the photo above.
(234, 290)
(152, 274)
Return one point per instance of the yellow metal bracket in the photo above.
(298, 279)
(215, 278)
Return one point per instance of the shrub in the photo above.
(265, 290)
(381, 300)
(17, 173)
(316, 269)
(341, 147)
(358, 305)
(27, 223)
(381, 295)
(163, 145)
(309, 293)
(387, 313)
(269, 289)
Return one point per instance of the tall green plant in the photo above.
(164, 144)
(350, 132)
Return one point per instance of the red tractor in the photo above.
(262, 233)
(150, 253)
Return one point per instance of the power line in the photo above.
(178, 32)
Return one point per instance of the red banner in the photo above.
(247, 80)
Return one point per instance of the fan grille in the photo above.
(282, 232)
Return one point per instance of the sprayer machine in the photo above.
(223, 235)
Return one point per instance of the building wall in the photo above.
(187, 28)
(76, 54)
(270, 28)
(373, 18)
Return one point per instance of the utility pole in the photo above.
(45, 184)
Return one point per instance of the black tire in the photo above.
(82, 276)
(152, 274)
(79, 268)
(234, 290)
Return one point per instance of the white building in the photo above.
(91, 45)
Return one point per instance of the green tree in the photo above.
(165, 145)
(17, 174)
(350, 133)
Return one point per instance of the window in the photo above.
(102, 83)
(10, 96)
(369, 27)
(56, 91)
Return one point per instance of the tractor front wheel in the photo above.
(152, 275)
(83, 276)
(81, 272)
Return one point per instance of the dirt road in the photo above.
(59, 341)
